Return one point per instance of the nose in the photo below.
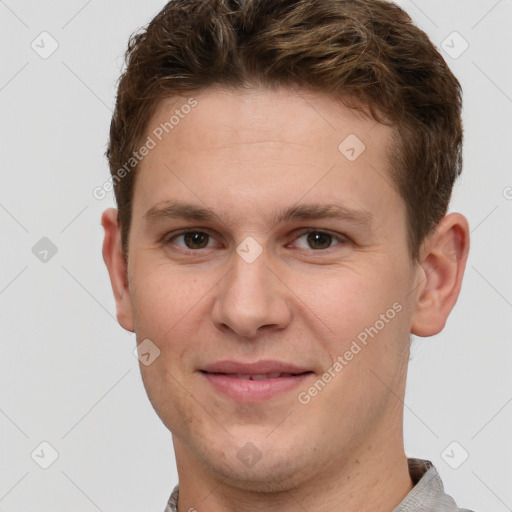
(251, 297)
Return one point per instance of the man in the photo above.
(282, 172)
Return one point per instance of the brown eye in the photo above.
(192, 240)
(196, 240)
(317, 240)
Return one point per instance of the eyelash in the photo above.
(342, 239)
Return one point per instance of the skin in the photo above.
(245, 155)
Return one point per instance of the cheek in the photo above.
(348, 298)
(366, 338)
(170, 306)
(367, 307)
(163, 299)
(167, 306)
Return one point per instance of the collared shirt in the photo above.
(427, 495)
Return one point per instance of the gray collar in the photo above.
(427, 495)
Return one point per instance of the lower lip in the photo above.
(246, 390)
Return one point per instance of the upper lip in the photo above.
(256, 368)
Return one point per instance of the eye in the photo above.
(192, 240)
(318, 240)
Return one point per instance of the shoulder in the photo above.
(428, 493)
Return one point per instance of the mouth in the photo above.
(254, 387)
(259, 376)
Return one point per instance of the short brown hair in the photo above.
(366, 53)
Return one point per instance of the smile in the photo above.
(263, 376)
(254, 387)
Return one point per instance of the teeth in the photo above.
(261, 376)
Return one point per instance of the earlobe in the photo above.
(116, 266)
(440, 278)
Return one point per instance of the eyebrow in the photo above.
(312, 211)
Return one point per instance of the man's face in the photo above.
(251, 284)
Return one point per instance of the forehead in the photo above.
(256, 115)
(225, 146)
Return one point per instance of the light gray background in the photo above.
(68, 375)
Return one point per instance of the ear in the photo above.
(117, 268)
(442, 263)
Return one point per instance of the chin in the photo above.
(271, 473)
(261, 480)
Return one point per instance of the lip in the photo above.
(222, 376)
(256, 368)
